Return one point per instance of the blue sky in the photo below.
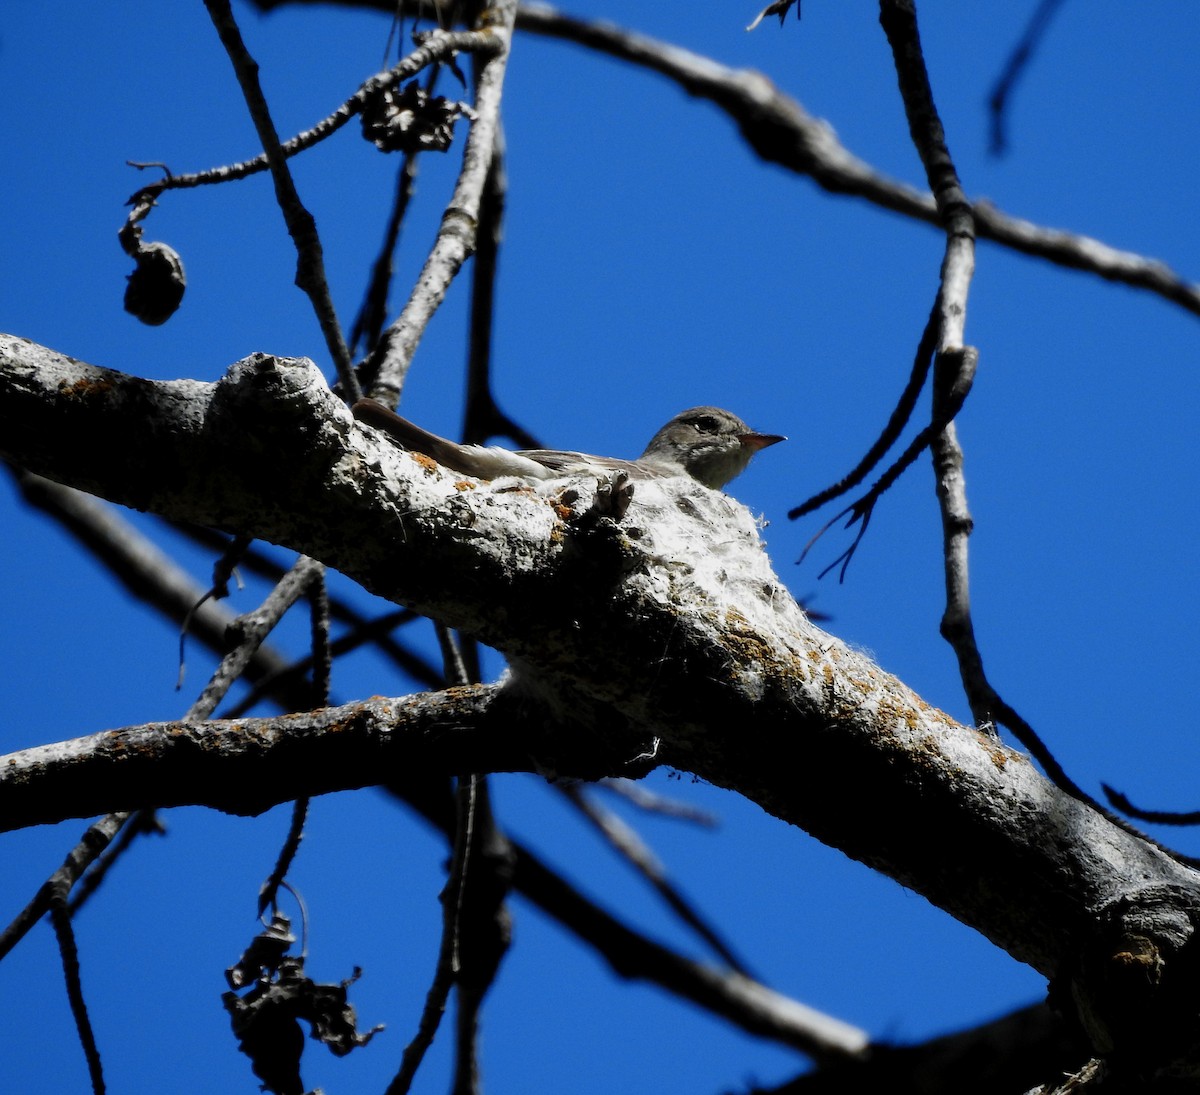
(650, 263)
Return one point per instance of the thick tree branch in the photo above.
(246, 766)
(666, 636)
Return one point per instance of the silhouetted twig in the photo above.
(1013, 70)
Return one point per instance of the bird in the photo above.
(709, 444)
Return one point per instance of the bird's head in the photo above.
(711, 445)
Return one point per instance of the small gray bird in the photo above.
(707, 443)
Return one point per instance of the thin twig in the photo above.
(269, 891)
(94, 841)
(252, 628)
(310, 259)
(1014, 69)
(322, 656)
(895, 424)
(956, 626)
(455, 242)
(65, 934)
(480, 926)
(455, 669)
(653, 803)
(223, 570)
(482, 417)
(142, 823)
(899, 21)
(439, 989)
(859, 512)
(368, 324)
(436, 46)
(630, 847)
(467, 797)
(447, 966)
(1121, 802)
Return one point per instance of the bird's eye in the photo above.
(705, 423)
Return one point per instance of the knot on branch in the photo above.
(1136, 986)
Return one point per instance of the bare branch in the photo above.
(144, 570)
(436, 46)
(310, 258)
(483, 418)
(899, 418)
(630, 847)
(64, 932)
(372, 314)
(748, 1004)
(251, 629)
(246, 766)
(781, 131)
(1014, 68)
(1162, 817)
(958, 382)
(899, 21)
(81, 857)
(455, 241)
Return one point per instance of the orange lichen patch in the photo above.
(86, 386)
(427, 462)
(561, 511)
(742, 641)
(999, 755)
(465, 484)
(461, 691)
(337, 726)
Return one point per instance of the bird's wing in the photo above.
(490, 462)
(557, 464)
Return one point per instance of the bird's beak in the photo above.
(756, 441)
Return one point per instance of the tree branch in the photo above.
(389, 362)
(781, 131)
(310, 256)
(666, 630)
(246, 766)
